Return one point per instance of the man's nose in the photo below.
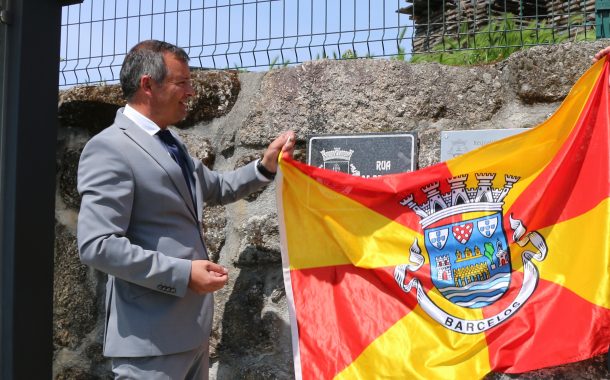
(189, 90)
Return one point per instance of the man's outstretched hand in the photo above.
(601, 54)
(283, 143)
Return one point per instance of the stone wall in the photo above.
(231, 120)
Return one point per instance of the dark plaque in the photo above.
(364, 155)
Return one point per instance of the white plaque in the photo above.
(456, 143)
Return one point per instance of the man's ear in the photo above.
(146, 83)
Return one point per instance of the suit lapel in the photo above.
(160, 155)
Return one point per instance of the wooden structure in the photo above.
(435, 20)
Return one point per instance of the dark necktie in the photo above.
(177, 154)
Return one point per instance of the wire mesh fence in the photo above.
(264, 34)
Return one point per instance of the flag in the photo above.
(497, 260)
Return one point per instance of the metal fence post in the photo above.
(29, 61)
(602, 18)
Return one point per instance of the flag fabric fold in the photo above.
(497, 260)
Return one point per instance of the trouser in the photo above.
(189, 365)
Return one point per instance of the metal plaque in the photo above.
(456, 143)
(364, 155)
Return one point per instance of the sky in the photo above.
(235, 34)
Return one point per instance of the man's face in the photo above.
(170, 96)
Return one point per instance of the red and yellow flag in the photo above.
(497, 260)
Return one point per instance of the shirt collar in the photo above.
(141, 121)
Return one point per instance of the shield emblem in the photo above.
(337, 159)
(462, 232)
(438, 238)
(337, 166)
(487, 227)
(471, 268)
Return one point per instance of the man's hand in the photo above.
(207, 277)
(283, 143)
(601, 54)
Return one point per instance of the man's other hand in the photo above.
(207, 277)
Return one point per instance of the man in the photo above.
(140, 221)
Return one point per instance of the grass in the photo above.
(471, 46)
(499, 39)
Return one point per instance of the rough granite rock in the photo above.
(68, 166)
(93, 108)
(214, 235)
(253, 324)
(546, 73)
(74, 301)
(199, 147)
(591, 369)
(215, 94)
(77, 373)
(325, 97)
(244, 160)
(260, 242)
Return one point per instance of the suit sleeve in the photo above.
(227, 187)
(105, 182)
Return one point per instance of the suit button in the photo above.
(165, 288)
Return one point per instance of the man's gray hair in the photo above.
(146, 58)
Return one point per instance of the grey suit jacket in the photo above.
(138, 224)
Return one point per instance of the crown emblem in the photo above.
(460, 199)
(337, 154)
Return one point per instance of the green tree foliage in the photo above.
(489, 251)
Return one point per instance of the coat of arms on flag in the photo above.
(496, 260)
(468, 251)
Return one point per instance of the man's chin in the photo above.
(180, 119)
